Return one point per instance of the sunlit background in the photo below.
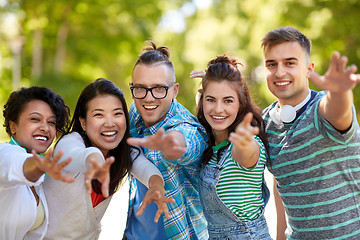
(66, 44)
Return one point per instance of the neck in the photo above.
(220, 136)
(297, 103)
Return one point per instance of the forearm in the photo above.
(31, 171)
(280, 214)
(247, 157)
(156, 181)
(336, 108)
(94, 157)
(73, 146)
(143, 169)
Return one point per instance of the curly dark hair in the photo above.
(18, 100)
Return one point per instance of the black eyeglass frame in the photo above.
(150, 90)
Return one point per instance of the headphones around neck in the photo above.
(287, 113)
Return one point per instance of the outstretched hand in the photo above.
(246, 150)
(244, 132)
(338, 77)
(167, 143)
(156, 194)
(101, 172)
(48, 164)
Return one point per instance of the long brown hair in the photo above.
(220, 69)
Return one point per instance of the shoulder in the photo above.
(70, 139)
(178, 115)
(7, 147)
(316, 97)
(72, 136)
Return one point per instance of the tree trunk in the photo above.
(37, 53)
(60, 53)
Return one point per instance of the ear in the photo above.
(83, 123)
(12, 126)
(176, 90)
(198, 95)
(130, 85)
(310, 69)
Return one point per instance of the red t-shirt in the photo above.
(96, 198)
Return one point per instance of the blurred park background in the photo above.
(66, 44)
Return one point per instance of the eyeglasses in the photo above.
(158, 92)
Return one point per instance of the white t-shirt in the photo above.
(17, 202)
(72, 215)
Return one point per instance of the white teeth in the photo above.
(218, 118)
(109, 133)
(150, 107)
(41, 138)
(281, 83)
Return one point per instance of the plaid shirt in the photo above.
(180, 176)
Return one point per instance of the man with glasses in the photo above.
(174, 141)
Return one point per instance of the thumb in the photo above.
(160, 132)
(133, 141)
(246, 122)
(317, 79)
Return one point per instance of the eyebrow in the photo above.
(37, 113)
(102, 110)
(291, 59)
(153, 85)
(209, 96)
(285, 59)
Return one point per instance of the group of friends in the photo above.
(189, 177)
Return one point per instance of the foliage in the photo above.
(67, 44)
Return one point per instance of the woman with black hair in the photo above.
(96, 140)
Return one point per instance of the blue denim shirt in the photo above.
(181, 181)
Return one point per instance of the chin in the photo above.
(40, 151)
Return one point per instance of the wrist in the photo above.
(156, 181)
(31, 170)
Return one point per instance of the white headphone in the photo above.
(287, 113)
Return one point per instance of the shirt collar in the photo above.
(139, 123)
(220, 145)
(14, 142)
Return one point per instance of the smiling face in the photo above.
(105, 122)
(220, 106)
(36, 127)
(154, 110)
(287, 70)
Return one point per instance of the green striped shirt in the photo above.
(317, 170)
(239, 188)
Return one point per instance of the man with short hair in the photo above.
(314, 140)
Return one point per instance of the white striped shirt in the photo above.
(239, 188)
